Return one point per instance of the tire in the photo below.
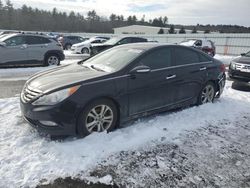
(207, 94)
(92, 120)
(85, 51)
(68, 46)
(52, 59)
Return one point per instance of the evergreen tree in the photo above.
(182, 30)
(194, 30)
(161, 31)
(172, 30)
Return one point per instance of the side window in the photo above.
(96, 41)
(198, 43)
(15, 41)
(157, 59)
(32, 40)
(185, 56)
(70, 37)
(80, 39)
(125, 41)
(138, 40)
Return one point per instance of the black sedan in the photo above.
(118, 85)
(239, 68)
(115, 41)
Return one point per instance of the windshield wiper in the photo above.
(97, 68)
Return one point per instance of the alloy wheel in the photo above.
(53, 60)
(99, 119)
(207, 94)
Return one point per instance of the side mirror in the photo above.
(243, 54)
(140, 69)
(2, 44)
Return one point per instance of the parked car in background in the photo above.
(206, 46)
(68, 41)
(84, 47)
(120, 84)
(9, 32)
(96, 48)
(239, 68)
(29, 49)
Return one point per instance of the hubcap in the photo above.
(99, 119)
(207, 94)
(53, 60)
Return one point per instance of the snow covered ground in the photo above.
(137, 153)
(25, 73)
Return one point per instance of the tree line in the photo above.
(32, 19)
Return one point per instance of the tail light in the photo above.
(223, 68)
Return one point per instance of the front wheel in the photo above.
(99, 116)
(207, 94)
(85, 51)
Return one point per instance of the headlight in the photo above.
(232, 65)
(55, 97)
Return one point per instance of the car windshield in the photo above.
(113, 59)
(112, 41)
(248, 54)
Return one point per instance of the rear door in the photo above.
(37, 47)
(152, 90)
(15, 51)
(191, 73)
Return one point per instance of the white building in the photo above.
(145, 30)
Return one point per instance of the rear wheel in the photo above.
(52, 59)
(99, 116)
(207, 94)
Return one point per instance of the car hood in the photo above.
(242, 59)
(56, 78)
(188, 43)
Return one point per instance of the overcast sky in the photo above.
(178, 11)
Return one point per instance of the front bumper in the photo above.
(238, 75)
(64, 118)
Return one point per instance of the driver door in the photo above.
(154, 89)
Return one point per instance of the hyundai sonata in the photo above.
(120, 84)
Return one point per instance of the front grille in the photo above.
(239, 66)
(29, 94)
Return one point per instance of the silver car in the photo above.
(29, 49)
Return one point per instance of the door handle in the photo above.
(171, 77)
(203, 68)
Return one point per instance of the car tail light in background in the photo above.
(223, 68)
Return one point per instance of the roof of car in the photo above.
(145, 45)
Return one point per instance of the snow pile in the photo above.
(26, 158)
